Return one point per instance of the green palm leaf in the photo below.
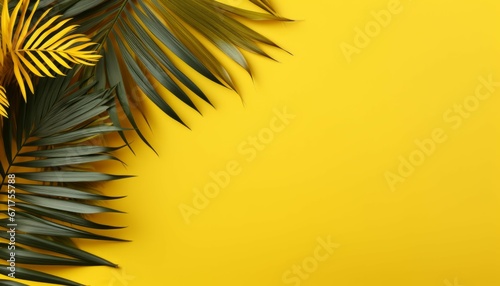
(47, 142)
(132, 35)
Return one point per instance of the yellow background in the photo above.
(323, 175)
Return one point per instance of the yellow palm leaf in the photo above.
(38, 48)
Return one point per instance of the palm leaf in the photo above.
(30, 46)
(132, 36)
(37, 48)
(47, 141)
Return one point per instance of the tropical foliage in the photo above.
(27, 47)
(70, 71)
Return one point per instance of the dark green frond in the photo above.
(47, 142)
(133, 37)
